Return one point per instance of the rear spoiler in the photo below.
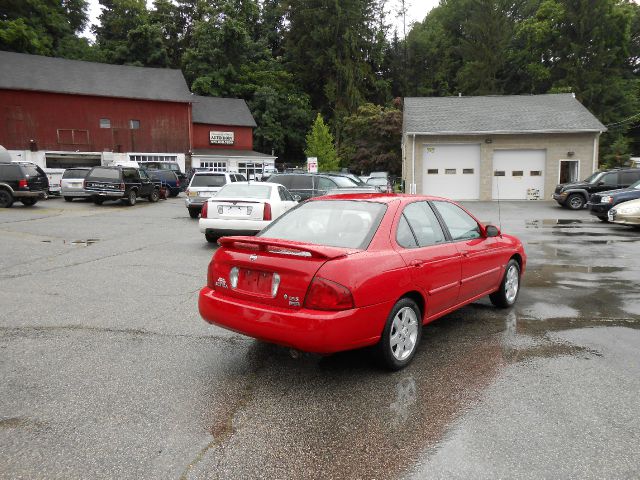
(284, 247)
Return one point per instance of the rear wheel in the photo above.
(173, 194)
(155, 196)
(6, 199)
(194, 212)
(603, 218)
(507, 294)
(401, 335)
(29, 202)
(575, 201)
(68, 199)
(131, 198)
(211, 238)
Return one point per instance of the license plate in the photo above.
(254, 281)
(610, 215)
(235, 210)
(207, 194)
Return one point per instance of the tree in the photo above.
(320, 145)
(42, 27)
(372, 139)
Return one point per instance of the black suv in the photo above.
(120, 183)
(600, 203)
(22, 181)
(167, 178)
(576, 194)
(308, 185)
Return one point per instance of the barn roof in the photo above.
(221, 111)
(549, 113)
(47, 74)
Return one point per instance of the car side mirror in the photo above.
(492, 231)
(600, 184)
(297, 198)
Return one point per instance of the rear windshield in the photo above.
(31, 170)
(72, 173)
(254, 190)
(335, 223)
(105, 173)
(207, 180)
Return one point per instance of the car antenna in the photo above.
(497, 177)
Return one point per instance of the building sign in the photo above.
(312, 164)
(221, 138)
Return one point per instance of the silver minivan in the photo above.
(72, 183)
(204, 185)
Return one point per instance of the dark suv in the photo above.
(120, 183)
(600, 203)
(308, 185)
(576, 194)
(22, 181)
(167, 178)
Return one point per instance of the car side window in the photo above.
(460, 224)
(424, 224)
(129, 175)
(143, 175)
(285, 195)
(404, 235)
(610, 179)
(325, 184)
(298, 182)
(627, 178)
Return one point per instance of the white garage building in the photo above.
(509, 147)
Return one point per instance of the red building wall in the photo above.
(72, 123)
(243, 137)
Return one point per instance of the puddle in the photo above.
(82, 243)
(555, 223)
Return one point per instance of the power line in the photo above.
(624, 120)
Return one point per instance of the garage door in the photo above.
(518, 174)
(452, 171)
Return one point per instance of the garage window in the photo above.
(498, 173)
(467, 171)
(536, 173)
(450, 171)
(517, 173)
(432, 171)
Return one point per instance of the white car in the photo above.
(244, 208)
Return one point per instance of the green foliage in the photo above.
(320, 145)
(372, 139)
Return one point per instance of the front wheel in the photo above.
(211, 238)
(507, 293)
(401, 335)
(603, 218)
(29, 202)
(154, 196)
(575, 201)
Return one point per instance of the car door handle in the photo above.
(464, 253)
(416, 263)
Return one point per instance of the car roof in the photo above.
(378, 197)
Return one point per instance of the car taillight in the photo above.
(204, 211)
(266, 215)
(84, 184)
(177, 183)
(211, 275)
(122, 187)
(22, 183)
(327, 295)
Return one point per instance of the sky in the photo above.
(416, 11)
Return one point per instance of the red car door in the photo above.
(480, 256)
(434, 263)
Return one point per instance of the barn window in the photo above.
(498, 173)
(450, 171)
(134, 124)
(467, 171)
(432, 171)
(517, 173)
(105, 123)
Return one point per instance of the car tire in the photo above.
(211, 237)
(575, 201)
(131, 198)
(507, 293)
(98, 201)
(401, 335)
(194, 212)
(28, 202)
(603, 218)
(6, 199)
(68, 199)
(154, 196)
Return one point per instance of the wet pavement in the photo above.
(108, 372)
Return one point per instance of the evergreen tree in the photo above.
(320, 144)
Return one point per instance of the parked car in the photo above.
(600, 203)
(244, 208)
(204, 185)
(343, 272)
(166, 165)
(381, 183)
(309, 185)
(626, 213)
(72, 183)
(575, 195)
(168, 179)
(120, 183)
(356, 179)
(21, 181)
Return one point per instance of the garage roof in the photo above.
(221, 111)
(550, 113)
(47, 74)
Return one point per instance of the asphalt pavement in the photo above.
(108, 371)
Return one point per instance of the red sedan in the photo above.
(348, 271)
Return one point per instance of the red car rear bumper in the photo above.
(303, 329)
